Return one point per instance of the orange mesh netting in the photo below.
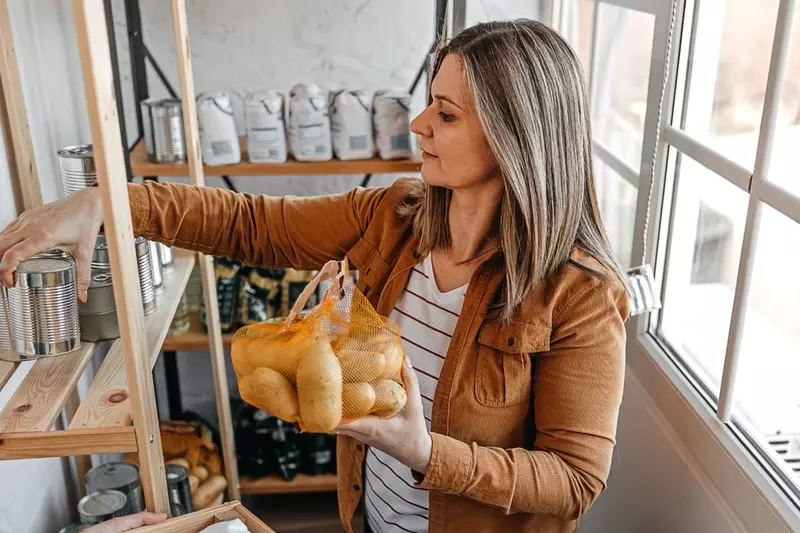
(336, 362)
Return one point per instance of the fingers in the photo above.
(15, 255)
(83, 267)
(126, 523)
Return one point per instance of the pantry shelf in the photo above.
(274, 484)
(194, 339)
(141, 166)
(107, 404)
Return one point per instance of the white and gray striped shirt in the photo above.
(427, 318)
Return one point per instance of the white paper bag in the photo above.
(391, 119)
(265, 130)
(309, 124)
(351, 125)
(219, 141)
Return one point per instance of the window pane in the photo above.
(785, 158)
(705, 245)
(617, 199)
(729, 75)
(623, 49)
(768, 380)
(576, 21)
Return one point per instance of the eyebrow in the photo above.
(446, 99)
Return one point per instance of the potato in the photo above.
(394, 354)
(207, 491)
(194, 482)
(269, 390)
(390, 397)
(178, 461)
(357, 400)
(200, 472)
(360, 366)
(319, 388)
(214, 464)
(282, 354)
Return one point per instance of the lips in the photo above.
(428, 155)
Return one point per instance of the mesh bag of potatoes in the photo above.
(326, 366)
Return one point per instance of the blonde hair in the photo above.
(530, 98)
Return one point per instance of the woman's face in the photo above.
(455, 152)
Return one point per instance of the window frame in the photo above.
(755, 491)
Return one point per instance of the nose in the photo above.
(421, 125)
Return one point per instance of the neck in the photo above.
(473, 220)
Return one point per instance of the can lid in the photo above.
(101, 503)
(44, 271)
(79, 151)
(112, 475)
(176, 473)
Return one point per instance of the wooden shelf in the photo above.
(194, 339)
(107, 404)
(275, 484)
(141, 166)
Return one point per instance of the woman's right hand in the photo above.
(71, 224)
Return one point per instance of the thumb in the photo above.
(411, 384)
(126, 523)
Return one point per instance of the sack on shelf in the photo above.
(265, 129)
(309, 124)
(392, 120)
(337, 362)
(219, 140)
(351, 125)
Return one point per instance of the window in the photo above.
(726, 237)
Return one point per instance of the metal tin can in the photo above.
(176, 509)
(76, 165)
(158, 277)
(121, 476)
(169, 145)
(145, 275)
(178, 487)
(101, 505)
(5, 326)
(43, 308)
(74, 528)
(165, 256)
(101, 257)
(146, 107)
(98, 315)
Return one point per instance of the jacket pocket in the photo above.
(503, 375)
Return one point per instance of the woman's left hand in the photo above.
(403, 436)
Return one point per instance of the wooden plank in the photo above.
(274, 484)
(107, 403)
(42, 394)
(65, 443)
(197, 521)
(6, 371)
(141, 166)
(219, 374)
(17, 133)
(195, 338)
(83, 463)
(98, 83)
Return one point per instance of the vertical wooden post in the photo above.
(206, 267)
(17, 133)
(90, 25)
(83, 463)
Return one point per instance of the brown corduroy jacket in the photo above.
(525, 413)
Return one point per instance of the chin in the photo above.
(433, 175)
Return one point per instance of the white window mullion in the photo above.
(619, 166)
(779, 198)
(777, 73)
(709, 158)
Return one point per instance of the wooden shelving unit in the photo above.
(276, 485)
(140, 166)
(194, 339)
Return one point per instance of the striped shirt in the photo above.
(427, 319)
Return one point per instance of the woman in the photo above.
(496, 267)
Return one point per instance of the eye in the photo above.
(446, 117)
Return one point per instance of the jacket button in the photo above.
(416, 254)
(356, 486)
(359, 447)
(511, 341)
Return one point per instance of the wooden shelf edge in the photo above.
(32, 445)
(141, 166)
(107, 403)
(41, 396)
(194, 339)
(6, 371)
(273, 484)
